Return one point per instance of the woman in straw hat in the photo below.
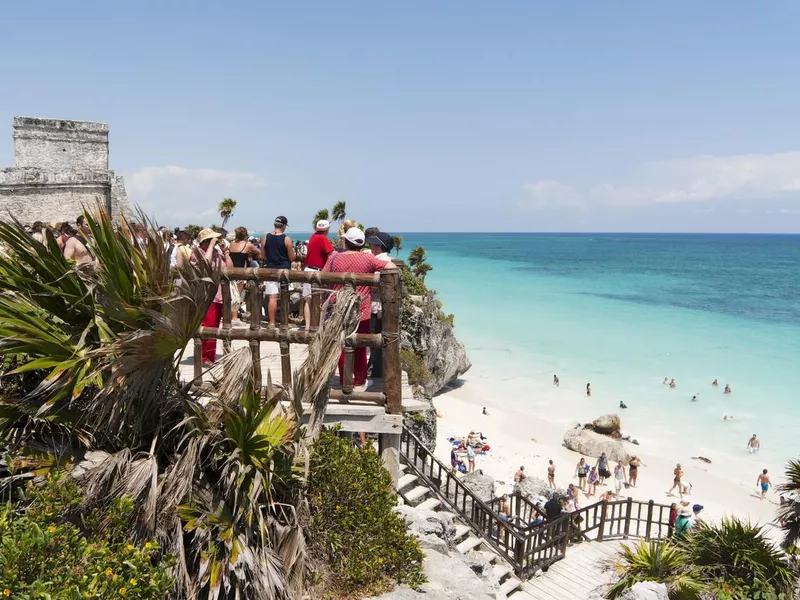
(208, 250)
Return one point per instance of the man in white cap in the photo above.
(319, 248)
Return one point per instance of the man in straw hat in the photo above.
(208, 250)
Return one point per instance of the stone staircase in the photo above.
(414, 492)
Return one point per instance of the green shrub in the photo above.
(353, 525)
(412, 284)
(44, 555)
(414, 364)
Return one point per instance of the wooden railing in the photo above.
(388, 283)
(530, 547)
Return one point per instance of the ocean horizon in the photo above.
(624, 311)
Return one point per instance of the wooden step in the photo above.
(468, 544)
(490, 556)
(416, 493)
(509, 586)
(405, 480)
(429, 504)
(402, 467)
(500, 570)
(461, 531)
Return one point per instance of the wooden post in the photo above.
(226, 312)
(315, 308)
(198, 360)
(629, 507)
(649, 520)
(601, 530)
(391, 296)
(286, 359)
(254, 303)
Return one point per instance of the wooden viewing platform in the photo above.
(280, 350)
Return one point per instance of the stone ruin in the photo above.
(60, 167)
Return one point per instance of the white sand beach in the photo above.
(531, 438)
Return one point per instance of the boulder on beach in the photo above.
(591, 443)
(480, 484)
(607, 424)
(533, 487)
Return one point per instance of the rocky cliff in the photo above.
(427, 332)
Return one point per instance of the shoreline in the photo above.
(530, 436)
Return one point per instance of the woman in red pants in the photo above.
(353, 260)
(209, 250)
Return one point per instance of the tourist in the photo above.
(666, 380)
(37, 231)
(633, 467)
(72, 247)
(520, 476)
(556, 381)
(673, 515)
(317, 253)
(551, 474)
(84, 231)
(672, 384)
(592, 481)
(278, 253)
(588, 389)
(727, 388)
(694, 398)
(602, 468)
(207, 241)
(343, 229)
(470, 458)
(553, 508)
(581, 470)
(622, 404)
(764, 482)
(620, 478)
(677, 481)
(182, 252)
(241, 251)
(572, 498)
(715, 383)
(352, 260)
(504, 507)
(684, 522)
(484, 411)
(753, 444)
(380, 245)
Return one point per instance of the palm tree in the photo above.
(192, 230)
(662, 562)
(398, 244)
(322, 214)
(789, 512)
(417, 256)
(226, 209)
(218, 480)
(339, 211)
(422, 269)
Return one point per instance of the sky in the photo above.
(429, 116)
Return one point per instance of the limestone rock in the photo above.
(607, 424)
(533, 486)
(591, 443)
(423, 424)
(432, 542)
(478, 563)
(425, 333)
(449, 578)
(481, 485)
(646, 590)
(428, 522)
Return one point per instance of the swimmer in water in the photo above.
(588, 389)
(556, 380)
(753, 444)
(672, 384)
(715, 383)
(727, 388)
(694, 398)
(622, 404)
(666, 380)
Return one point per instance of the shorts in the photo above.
(272, 288)
(307, 286)
(581, 475)
(618, 483)
(605, 474)
(764, 487)
(753, 449)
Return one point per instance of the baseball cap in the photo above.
(697, 508)
(323, 224)
(281, 220)
(382, 239)
(355, 236)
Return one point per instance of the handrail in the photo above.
(319, 277)
(495, 531)
(534, 547)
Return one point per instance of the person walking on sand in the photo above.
(556, 380)
(581, 470)
(588, 389)
(764, 482)
(676, 481)
(592, 482)
(520, 476)
(620, 478)
(633, 468)
(470, 458)
(551, 474)
(753, 445)
(602, 468)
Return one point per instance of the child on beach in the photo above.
(593, 479)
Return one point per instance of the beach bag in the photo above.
(462, 469)
(486, 448)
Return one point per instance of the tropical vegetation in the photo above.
(728, 560)
(90, 374)
(337, 213)
(226, 207)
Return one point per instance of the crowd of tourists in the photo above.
(354, 250)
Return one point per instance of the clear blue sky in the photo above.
(430, 116)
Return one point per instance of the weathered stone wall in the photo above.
(59, 145)
(61, 167)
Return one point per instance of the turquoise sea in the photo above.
(624, 311)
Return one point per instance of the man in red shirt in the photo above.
(319, 248)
